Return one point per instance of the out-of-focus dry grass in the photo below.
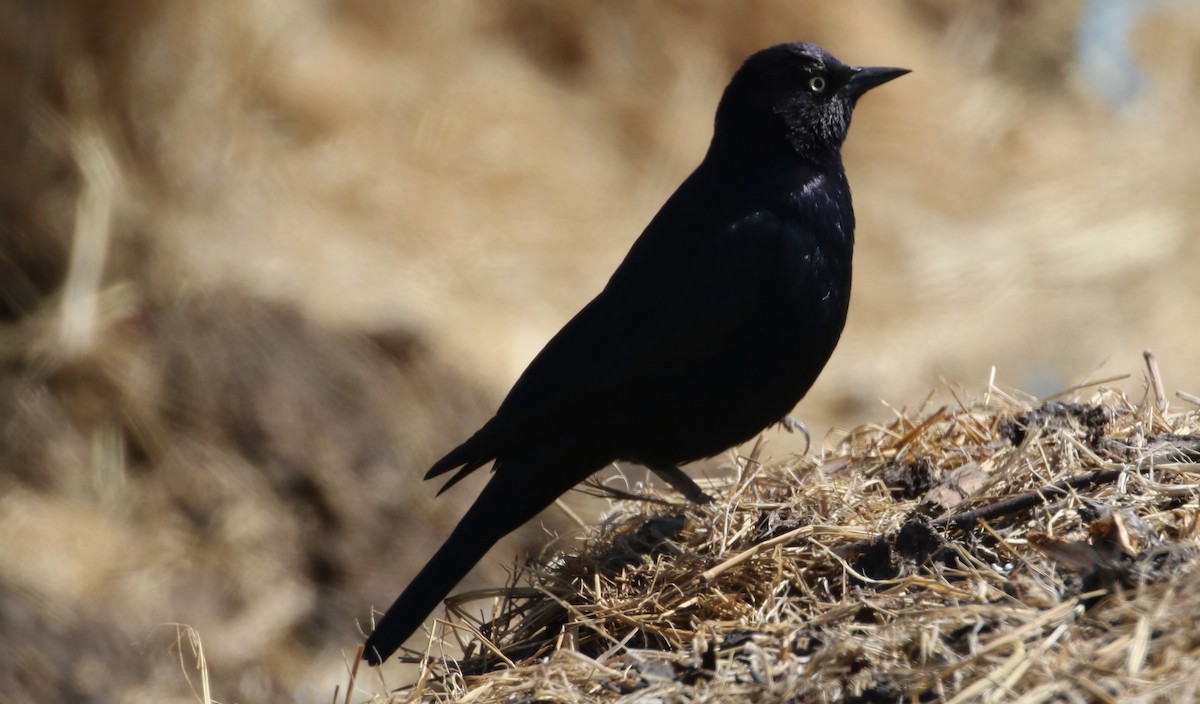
(310, 245)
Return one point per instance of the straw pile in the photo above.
(1003, 549)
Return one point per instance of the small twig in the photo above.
(713, 573)
(602, 491)
(1029, 499)
(903, 442)
(184, 631)
(1013, 504)
(1085, 385)
(806, 531)
(1190, 398)
(358, 656)
(1160, 396)
(485, 642)
(562, 506)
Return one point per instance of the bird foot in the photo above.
(683, 484)
(791, 425)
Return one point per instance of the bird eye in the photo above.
(817, 84)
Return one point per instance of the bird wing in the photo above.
(698, 283)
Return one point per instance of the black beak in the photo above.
(865, 78)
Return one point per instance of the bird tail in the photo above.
(501, 508)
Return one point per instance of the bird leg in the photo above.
(791, 425)
(683, 484)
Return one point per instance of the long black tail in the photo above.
(501, 508)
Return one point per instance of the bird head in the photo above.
(794, 92)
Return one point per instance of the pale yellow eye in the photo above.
(817, 84)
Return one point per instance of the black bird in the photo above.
(715, 325)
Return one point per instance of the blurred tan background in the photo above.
(262, 262)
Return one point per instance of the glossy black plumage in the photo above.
(715, 325)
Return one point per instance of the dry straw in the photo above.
(1005, 549)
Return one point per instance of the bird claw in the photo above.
(683, 484)
(791, 425)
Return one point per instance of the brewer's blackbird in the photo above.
(713, 327)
